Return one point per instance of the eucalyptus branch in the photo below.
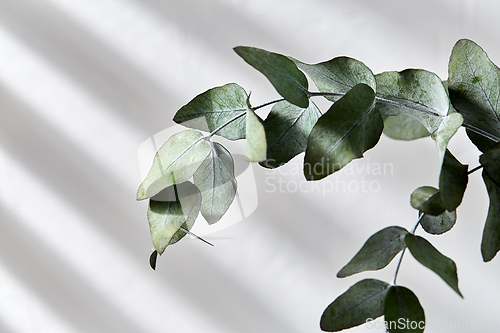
(403, 253)
(475, 169)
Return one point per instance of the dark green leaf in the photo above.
(490, 160)
(256, 145)
(215, 107)
(152, 259)
(490, 244)
(215, 179)
(287, 129)
(482, 143)
(431, 258)
(404, 127)
(413, 92)
(348, 129)
(360, 302)
(427, 200)
(175, 162)
(437, 225)
(175, 207)
(474, 86)
(453, 181)
(403, 312)
(377, 252)
(282, 72)
(338, 75)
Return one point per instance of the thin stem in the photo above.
(475, 169)
(255, 108)
(194, 235)
(403, 253)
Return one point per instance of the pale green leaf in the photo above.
(428, 200)
(175, 162)
(450, 125)
(348, 129)
(404, 127)
(474, 86)
(363, 300)
(377, 252)
(403, 312)
(431, 258)
(215, 179)
(214, 108)
(453, 181)
(174, 208)
(256, 145)
(490, 244)
(287, 129)
(437, 225)
(282, 72)
(413, 92)
(338, 75)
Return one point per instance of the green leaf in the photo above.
(413, 92)
(363, 300)
(338, 75)
(175, 162)
(453, 181)
(482, 143)
(256, 145)
(404, 127)
(431, 258)
(215, 179)
(403, 312)
(428, 200)
(445, 132)
(348, 129)
(287, 129)
(282, 72)
(215, 107)
(152, 259)
(174, 208)
(474, 86)
(490, 244)
(490, 160)
(437, 225)
(377, 252)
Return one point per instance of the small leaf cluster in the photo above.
(191, 173)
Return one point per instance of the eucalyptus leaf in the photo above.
(490, 244)
(431, 258)
(482, 143)
(152, 259)
(215, 179)
(404, 127)
(428, 200)
(348, 129)
(437, 225)
(214, 108)
(362, 301)
(282, 72)
(490, 160)
(403, 312)
(287, 129)
(256, 145)
(377, 252)
(453, 181)
(338, 75)
(474, 86)
(447, 129)
(179, 207)
(175, 162)
(413, 92)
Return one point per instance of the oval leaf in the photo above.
(214, 108)
(175, 162)
(377, 252)
(427, 200)
(256, 145)
(446, 131)
(363, 300)
(287, 129)
(431, 258)
(413, 92)
(490, 244)
(453, 181)
(490, 160)
(338, 75)
(482, 143)
(404, 127)
(474, 86)
(348, 129)
(282, 72)
(437, 225)
(175, 207)
(403, 312)
(215, 179)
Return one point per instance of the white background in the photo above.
(84, 83)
